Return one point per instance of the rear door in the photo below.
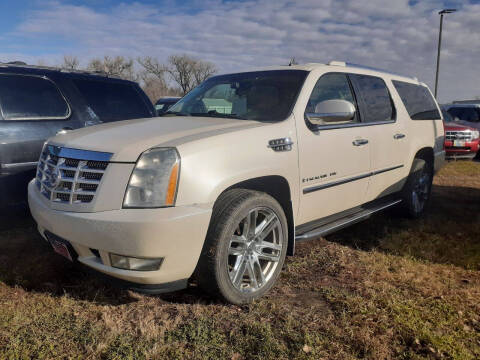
(387, 134)
(32, 109)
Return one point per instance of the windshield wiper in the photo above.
(215, 113)
(174, 113)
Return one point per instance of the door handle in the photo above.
(360, 142)
(399, 136)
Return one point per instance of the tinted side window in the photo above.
(373, 98)
(418, 101)
(25, 97)
(332, 86)
(465, 113)
(112, 101)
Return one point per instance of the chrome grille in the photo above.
(459, 135)
(70, 176)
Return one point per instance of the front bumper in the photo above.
(177, 234)
(469, 151)
(451, 155)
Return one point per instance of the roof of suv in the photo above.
(42, 70)
(449, 106)
(339, 64)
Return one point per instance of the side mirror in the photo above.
(332, 111)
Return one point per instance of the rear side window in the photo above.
(469, 114)
(112, 101)
(373, 98)
(418, 101)
(27, 97)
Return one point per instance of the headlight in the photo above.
(154, 179)
(475, 134)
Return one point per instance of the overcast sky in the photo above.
(397, 35)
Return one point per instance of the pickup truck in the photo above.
(220, 195)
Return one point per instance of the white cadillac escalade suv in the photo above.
(222, 187)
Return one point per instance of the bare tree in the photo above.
(70, 62)
(152, 66)
(188, 72)
(202, 71)
(117, 66)
(152, 79)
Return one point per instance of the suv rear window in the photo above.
(470, 114)
(27, 97)
(418, 101)
(373, 98)
(112, 101)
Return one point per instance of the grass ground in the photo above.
(387, 288)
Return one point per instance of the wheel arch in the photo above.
(426, 153)
(277, 187)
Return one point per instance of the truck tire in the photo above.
(245, 247)
(417, 190)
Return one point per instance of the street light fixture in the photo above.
(441, 13)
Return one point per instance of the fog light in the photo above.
(133, 263)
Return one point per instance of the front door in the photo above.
(334, 158)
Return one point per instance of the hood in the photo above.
(472, 125)
(450, 126)
(128, 139)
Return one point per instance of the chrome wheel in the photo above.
(255, 250)
(421, 190)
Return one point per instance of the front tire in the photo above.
(245, 246)
(417, 190)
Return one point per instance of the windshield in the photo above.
(261, 96)
(469, 114)
(446, 116)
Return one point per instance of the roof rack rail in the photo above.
(348, 64)
(57, 68)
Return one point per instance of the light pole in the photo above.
(441, 13)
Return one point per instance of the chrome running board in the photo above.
(342, 222)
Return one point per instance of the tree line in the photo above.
(178, 76)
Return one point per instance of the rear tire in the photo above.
(417, 190)
(245, 247)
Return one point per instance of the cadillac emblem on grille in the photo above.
(53, 178)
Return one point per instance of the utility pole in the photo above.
(441, 13)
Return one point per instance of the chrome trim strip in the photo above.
(351, 125)
(335, 183)
(78, 154)
(387, 169)
(344, 181)
(23, 164)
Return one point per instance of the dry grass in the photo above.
(387, 288)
